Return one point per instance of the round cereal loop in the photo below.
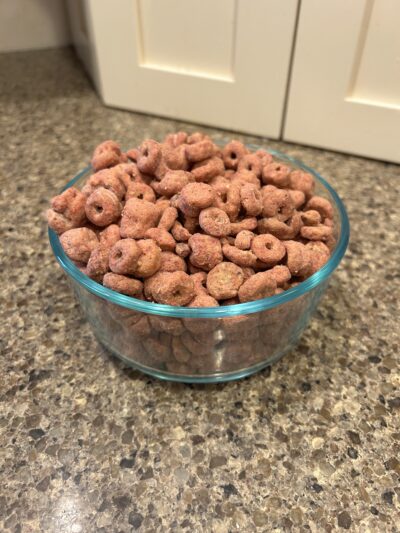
(176, 139)
(150, 156)
(310, 217)
(123, 284)
(302, 181)
(277, 203)
(232, 153)
(133, 155)
(180, 233)
(215, 222)
(243, 258)
(168, 218)
(79, 243)
(203, 300)
(182, 249)
(141, 191)
(251, 162)
(103, 207)
(251, 199)
(298, 258)
(171, 262)
(106, 154)
(173, 182)
(322, 205)
(276, 174)
(149, 261)
(298, 198)
(259, 286)
(224, 280)
(175, 158)
(98, 262)
(321, 232)
(282, 230)
(124, 256)
(200, 150)
(243, 239)
(137, 217)
(246, 224)
(107, 179)
(194, 197)
(162, 237)
(268, 249)
(173, 288)
(206, 170)
(206, 251)
(246, 176)
(229, 202)
(181, 353)
(281, 274)
(320, 254)
(109, 236)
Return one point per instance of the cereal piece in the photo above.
(141, 191)
(298, 198)
(199, 282)
(137, 217)
(322, 205)
(190, 224)
(133, 154)
(224, 280)
(173, 288)
(173, 182)
(198, 346)
(129, 173)
(215, 222)
(310, 217)
(243, 239)
(276, 174)
(246, 224)
(182, 249)
(180, 233)
(202, 300)
(98, 263)
(281, 274)
(268, 249)
(206, 251)
(175, 158)
(251, 199)
(194, 197)
(281, 230)
(250, 162)
(206, 170)
(124, 256)
(246, 176)
(168, 218)
(277, 203)
(200, 150)
(321, 232)
(162, 204)
(302, 181)
(220, 184)
(79, 243)
(243, 258)
(232, 153)
(107, 179)
(123, 284)
(150, 155)
(261, 285)
(319, 255)
(298, 258)
(171, 262)
(265, 157)
(181, 353)
(229, 202)
(149, 261)
(196, 137)
(165, 324)
(103, 207)
(68, 210)
(162, 237)
(176, 139)
(106, 154)
(109, 236)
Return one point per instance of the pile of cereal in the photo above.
(187, 223)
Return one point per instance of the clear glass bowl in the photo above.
(204, 345)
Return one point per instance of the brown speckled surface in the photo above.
(88, 445)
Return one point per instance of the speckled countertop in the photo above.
(88, 445)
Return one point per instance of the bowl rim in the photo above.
(223, 311)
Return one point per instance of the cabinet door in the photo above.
(345, 81)
(218, 62)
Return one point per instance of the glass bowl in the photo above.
(204, 345)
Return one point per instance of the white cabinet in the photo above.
(218, 62)
(345, 81)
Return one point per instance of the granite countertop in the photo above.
(88, 445)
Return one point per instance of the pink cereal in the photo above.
(215, 222)
(268, 249)
(103, 207)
